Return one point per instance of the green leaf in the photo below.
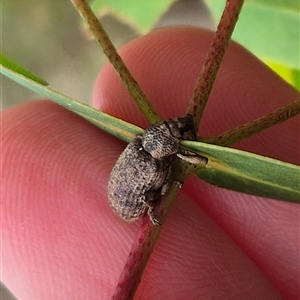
(233, 169)
(269, 29)
(248, 173)
(4, 61)
(140, 14)
(292, 76)
(106, 122)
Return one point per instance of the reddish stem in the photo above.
(146, 238)
(137, 260)
(213, 60)
(255, 126)
(148, 234)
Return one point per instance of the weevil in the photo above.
(144, 172)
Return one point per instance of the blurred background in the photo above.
(48, 38)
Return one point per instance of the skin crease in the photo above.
(60, 240)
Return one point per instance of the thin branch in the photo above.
(137, 260)
(110, 51)
(213, 60)
(148, 233)
(146, 238)
(140, 252)
(255, 126)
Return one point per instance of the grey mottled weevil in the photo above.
(143, 171)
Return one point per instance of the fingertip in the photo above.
(56, 218)
(167, 62)
(159, 62)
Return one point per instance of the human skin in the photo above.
(60, 239)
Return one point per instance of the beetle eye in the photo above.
(175, 128)
(185, 129)
(181, 125)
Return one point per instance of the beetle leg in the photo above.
(150, 208)
(192, 157)
(153, 219)
(168, 181)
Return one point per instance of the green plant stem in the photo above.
(110, 51)
(248, 129)
(213, 60)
